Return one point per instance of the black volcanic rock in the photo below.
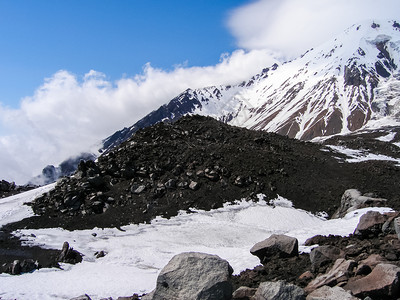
(198, 162)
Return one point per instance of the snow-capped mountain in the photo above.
(348, 83)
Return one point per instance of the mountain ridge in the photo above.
(328, 90)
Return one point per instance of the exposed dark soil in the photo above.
(198, 162)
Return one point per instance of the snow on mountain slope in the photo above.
(350, 82)
(330, 89)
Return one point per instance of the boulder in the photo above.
(397, 226)
(82, 297)
(194, 275)
(69, 255)
(370, 223)
(382, 282)
(340, 272)
(276, 245)
(330, 293)
(373, 260)
(352, 200)
(243, 293)
(278, 290)
(323, 255)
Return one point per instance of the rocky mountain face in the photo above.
(348, 83)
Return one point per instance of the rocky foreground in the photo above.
(198, 162)
(364, 265)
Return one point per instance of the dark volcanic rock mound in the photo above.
(198, 162)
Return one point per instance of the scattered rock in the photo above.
(340, 272)
(69, 255)
(82, 297)
(194, 185)
(277, 245)
(194, 275)
(139, 189)
(100, 254)
(381, 283)
(170, 184)
(370, 223)
(244, 293)
(307, 275)
(278, 290)
(322, 255)
(373, 260)
(397, 226)
(352, 200)
(330, 293)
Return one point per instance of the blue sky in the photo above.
(117, 37)
(72, 72)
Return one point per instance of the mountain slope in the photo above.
(201, 163)
(348, 83)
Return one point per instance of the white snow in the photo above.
(135, 255)
(387, 138)
(355, 155)
(12, 208)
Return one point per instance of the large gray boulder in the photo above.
(352, 200)
(193, 275)
(279, 290)
(276, 245)
(382, 282)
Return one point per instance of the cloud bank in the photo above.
(68, 114)
(291, 27)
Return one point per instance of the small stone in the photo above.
(194, 185)
(82, 297)
(170, 184)
(139, 189)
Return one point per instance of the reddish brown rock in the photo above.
(371, 222)
(382, 282)
(373, 260)
(340, 272)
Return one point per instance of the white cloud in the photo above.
(292, 26)
(68, 114)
